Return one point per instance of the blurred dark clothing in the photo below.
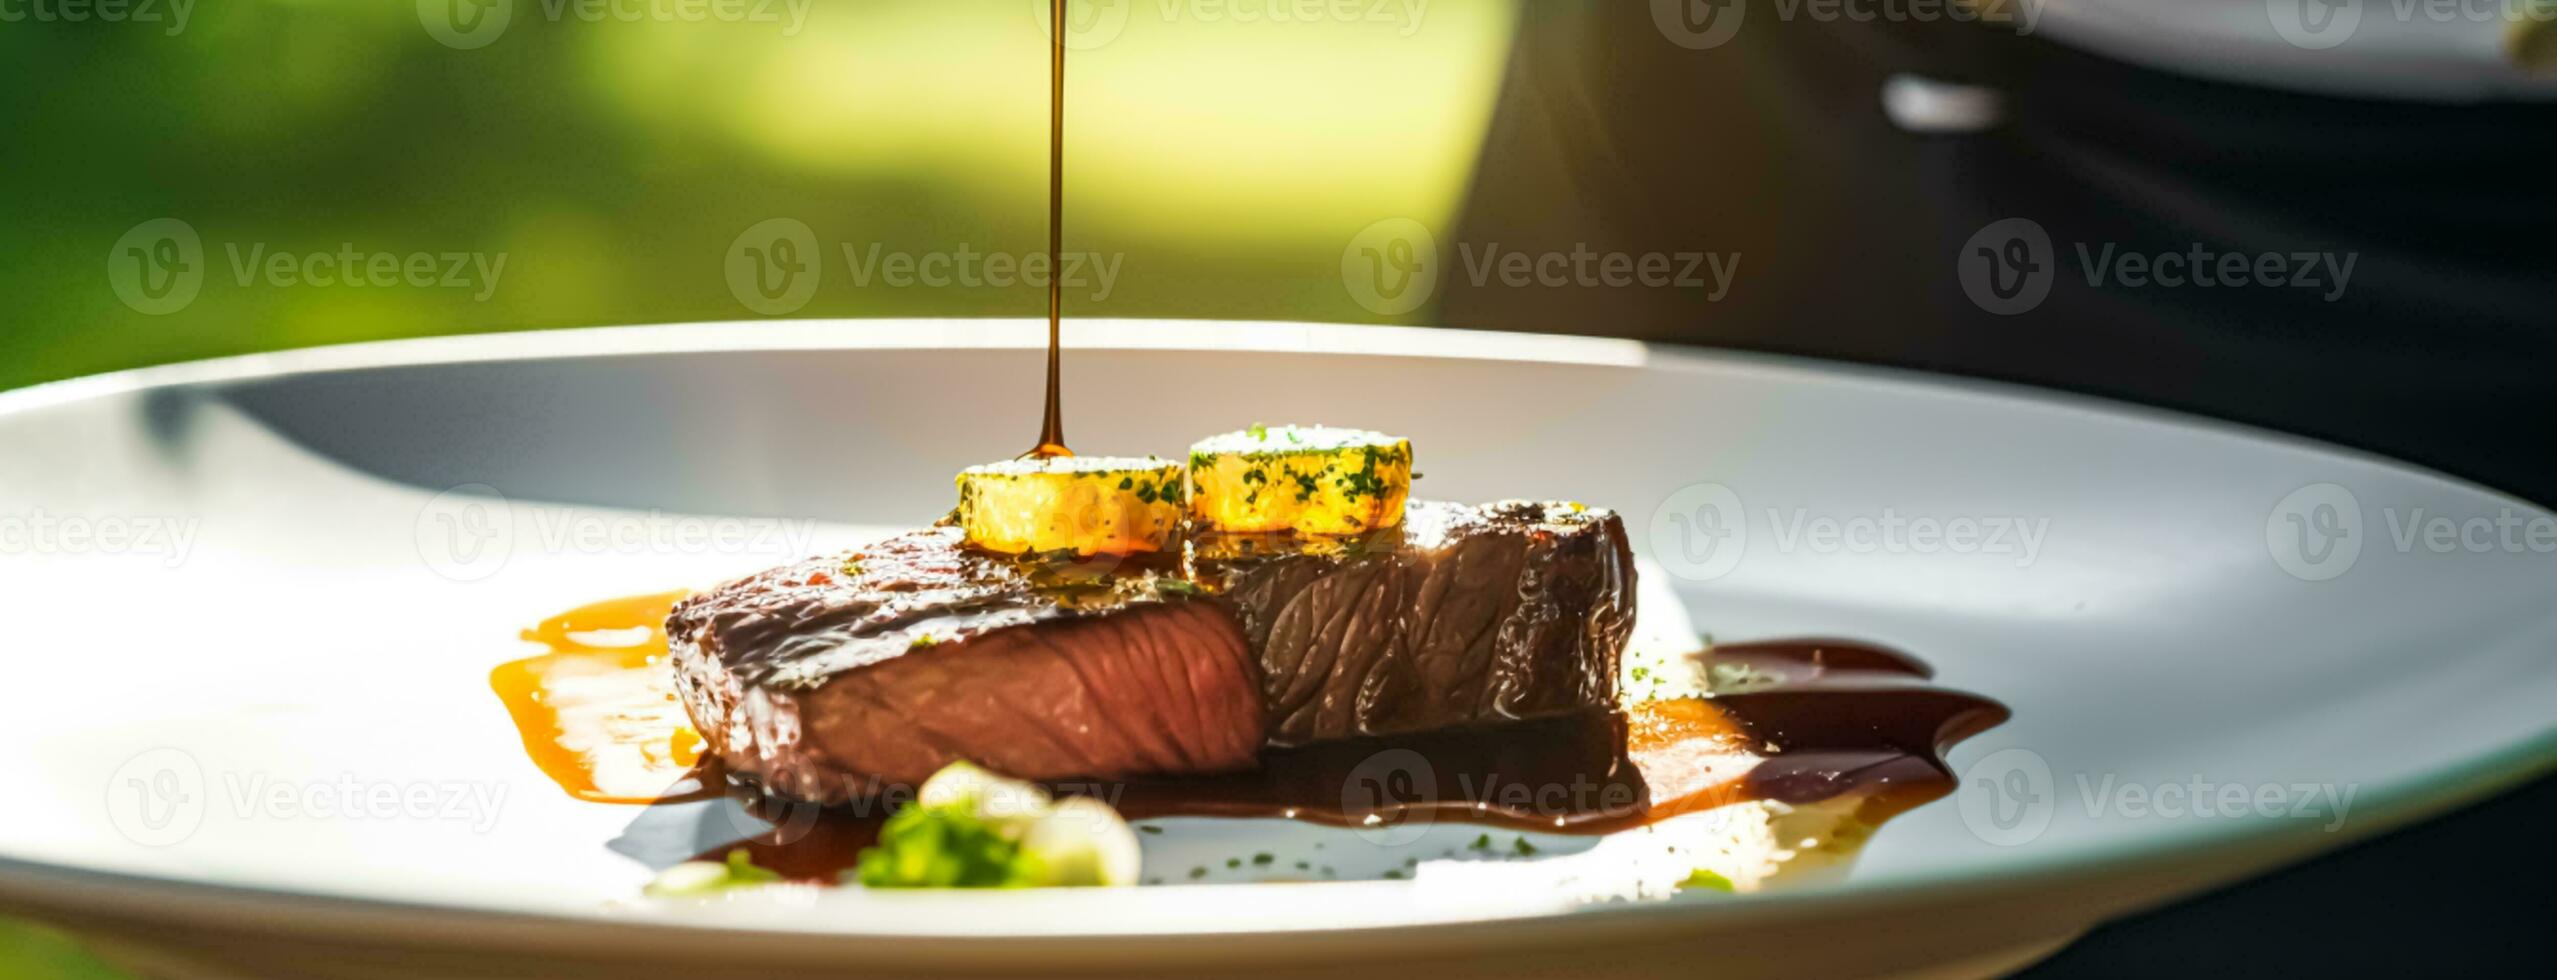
(1776, 145)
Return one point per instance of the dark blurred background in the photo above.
(1275, 168)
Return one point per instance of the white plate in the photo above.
(246, 590)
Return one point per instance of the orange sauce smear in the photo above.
(598, 712)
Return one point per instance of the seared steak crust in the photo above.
(1471, 615)
(841, 677)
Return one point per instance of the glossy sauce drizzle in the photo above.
(598, 712)
(1052, 429)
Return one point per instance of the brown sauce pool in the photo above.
(1798, 722)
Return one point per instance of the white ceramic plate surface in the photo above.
(254, 603)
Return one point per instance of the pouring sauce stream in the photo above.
(1052, 428)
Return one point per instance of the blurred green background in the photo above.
(1225, 153)
(611, 153)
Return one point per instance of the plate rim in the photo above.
(1155, 334)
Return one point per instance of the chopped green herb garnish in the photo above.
(1707, 879)
(980, 830)
(942, 847)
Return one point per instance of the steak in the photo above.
(1463, 616)
(845, 677)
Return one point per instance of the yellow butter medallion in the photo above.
(1307, 480)
(1078, 505)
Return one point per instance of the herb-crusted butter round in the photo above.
(1308, 480)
